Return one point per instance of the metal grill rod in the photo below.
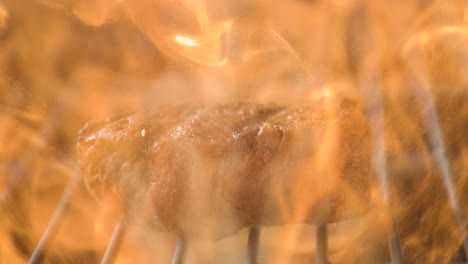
(322, 244)
(115, 243)
(179, 253)
(252, 245)
(439, 152)
(436, 139)
(379, 160)
(393, 240)
(54, 223)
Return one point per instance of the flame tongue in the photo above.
(182, 29)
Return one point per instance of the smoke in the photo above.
(65, 63)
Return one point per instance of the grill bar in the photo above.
(436, 139)
(379, 160)
(394, 243)
(179, 253)
(322, 244)
(439, 154)
(115, 243)
(253, 242)
(53, 226)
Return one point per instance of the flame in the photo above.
(64, 63)
(186, 41)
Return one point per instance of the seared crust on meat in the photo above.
(207, 172)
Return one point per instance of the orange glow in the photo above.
(186, 41)
(64, 64)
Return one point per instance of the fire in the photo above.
(66, 63)
(186, 41)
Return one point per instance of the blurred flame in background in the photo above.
(64, 63)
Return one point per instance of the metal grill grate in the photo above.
(253, 242)
(435, 139)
